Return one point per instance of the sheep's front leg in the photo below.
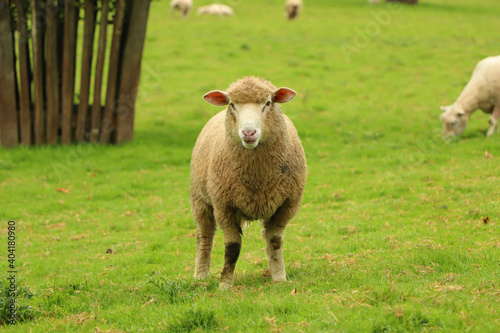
(493, 123)
(232, 238)
(205, 222)
(274, 229)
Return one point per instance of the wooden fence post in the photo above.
(24, 76)
(9, 133)
(131, 70)
(52, 67)
(37, 35)
(68, 69)
(95, 121)
(107, 124)
(88, 42)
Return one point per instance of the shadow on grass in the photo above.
(474, 134)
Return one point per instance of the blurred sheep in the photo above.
(183, 6)
(482, 92)
(215, 9)
(293, 8)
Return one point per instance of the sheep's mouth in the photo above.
(249, 141)
(250, 144)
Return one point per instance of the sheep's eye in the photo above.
(268, 103)
(231, 104)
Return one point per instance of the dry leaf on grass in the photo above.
(149, 302)
(63, 190)
(487, 155)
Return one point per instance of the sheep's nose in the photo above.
(249, 132)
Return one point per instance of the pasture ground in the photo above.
(399, 230)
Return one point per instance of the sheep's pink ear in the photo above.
(216, 97)
(283, 95)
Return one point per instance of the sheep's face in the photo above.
(454, 121)
(250, 118)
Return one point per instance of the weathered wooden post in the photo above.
(53, 79)
(131, 70)
(88, 41)
(24, 77)
(9, 132)
(95, 120)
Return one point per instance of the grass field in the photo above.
(398, 231)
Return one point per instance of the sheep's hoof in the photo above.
(200, 276)
(490, 132)
(279, 278)
(225, 285)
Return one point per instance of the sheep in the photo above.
(293, 8)
(247, 164)
(482, 92)
(216, 9)
(183, 6)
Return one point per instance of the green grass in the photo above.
(391, 235)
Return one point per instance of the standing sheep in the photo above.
(183, 6)
(293, 8)
(247, 164)
(482, 92)
(216, 9)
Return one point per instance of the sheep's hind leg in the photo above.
(273, 234)
(232, 238)
(493, 123)
(204, 217)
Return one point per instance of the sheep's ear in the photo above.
(444, 108)
(216, 97)
(461, 113)
(283, 95)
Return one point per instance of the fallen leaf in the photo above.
(109, 251)
(149, 302)
(486, 220)
(63, 190)
(487, 155)
(294, 291)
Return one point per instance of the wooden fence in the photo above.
(46, 95)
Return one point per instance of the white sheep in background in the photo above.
(247, 164)
(293, 8)
(183, 6)
(482, 92)
(216, 9)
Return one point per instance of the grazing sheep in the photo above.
(247, 164)
(482, 92)
(216, 9)
(183, 6)
(293, 8)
